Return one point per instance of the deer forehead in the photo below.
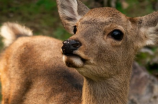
(104, 15)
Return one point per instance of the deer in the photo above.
(92, 67)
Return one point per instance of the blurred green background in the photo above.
(42, 17)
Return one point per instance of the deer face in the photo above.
(102, 34)
(104, 41)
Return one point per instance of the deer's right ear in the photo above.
(147, 27)
(70, 11)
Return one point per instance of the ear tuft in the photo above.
(68, 9)
(151, 35)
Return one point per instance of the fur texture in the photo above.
(32, 70)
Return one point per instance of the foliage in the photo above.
(40, 15)
(135, 7)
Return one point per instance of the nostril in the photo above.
(76, 44)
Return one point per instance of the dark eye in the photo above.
(117, 35)
(75, 29)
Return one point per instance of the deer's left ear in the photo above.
(148, 29)
(70, 11)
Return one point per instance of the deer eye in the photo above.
(117, 35)
(75, 29)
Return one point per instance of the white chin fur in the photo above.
(74, 61)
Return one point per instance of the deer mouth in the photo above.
(73, 60)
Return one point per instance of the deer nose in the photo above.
(69, 46)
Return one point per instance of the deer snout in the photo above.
(69, 46)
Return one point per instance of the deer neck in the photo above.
(110, 91)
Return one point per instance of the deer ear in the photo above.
(148, 29)
(70, 11)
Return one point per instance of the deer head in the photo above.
(104, 40)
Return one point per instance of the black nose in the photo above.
(69, 46)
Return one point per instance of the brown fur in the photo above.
(32, 71)
(108, 64)
(108, 72)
